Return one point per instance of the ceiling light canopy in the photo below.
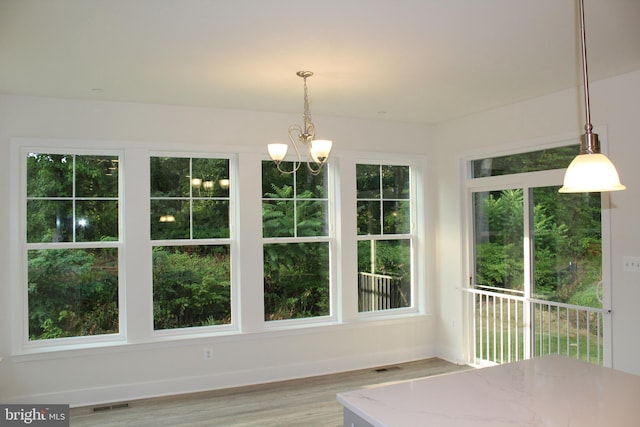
(318, 149)
(590, 171)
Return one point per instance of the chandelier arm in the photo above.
(284, 171)
(295, 132)
(313, 171)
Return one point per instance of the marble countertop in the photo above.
(543, 391)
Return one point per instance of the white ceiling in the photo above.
(421, 61)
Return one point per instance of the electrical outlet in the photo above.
(631, 264)
(208, 353)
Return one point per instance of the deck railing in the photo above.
(379, 292)
(511, 327)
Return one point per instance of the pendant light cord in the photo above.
(587, 127)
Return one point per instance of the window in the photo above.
(295, 230)
(533, 161)
(190, 230)
(384, 237)
(72, 241)
(537, 260)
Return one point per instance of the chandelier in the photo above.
(590, 171)
(317, 149)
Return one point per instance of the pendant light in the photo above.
(590, 171)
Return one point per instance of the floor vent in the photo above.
(111, 407)
(388, 368)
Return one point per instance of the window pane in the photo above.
(276, 183)
(191, 286)
(397, 217)
(368, 181)
(49, 175)
(369, 217)
(395, 182)
(311, 186)
(296, 280)
(210, 219)
(277, 218)
(384, 274)
(568, 246)
(55, 199)
(498, 234)
(96, 176)
(49, 221)
(312, 218)
(299, 211)
(72, 292)
(169, 219)
(552, 158)
(189, 198)
(96, 220)
(391, 193)
(170, 177)
(211, 171)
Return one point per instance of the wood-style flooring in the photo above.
(307, 402)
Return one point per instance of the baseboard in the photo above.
(100, 396)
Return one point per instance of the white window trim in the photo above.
(20, 147)
(417, 226)
(330, 239)
(135, 288)
(194, 331)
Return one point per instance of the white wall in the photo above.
(615, 105)
(90, 376)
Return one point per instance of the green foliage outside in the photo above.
(191, 286)
(189, 191)
(191, 283)
(72, 198)
(566, 243)
(296, 275)
(72, 293)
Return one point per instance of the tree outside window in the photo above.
(295, 228)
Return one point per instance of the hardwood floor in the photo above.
(307, 402)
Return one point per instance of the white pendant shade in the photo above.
(591, 173)
(277, 151)
(320, 149)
